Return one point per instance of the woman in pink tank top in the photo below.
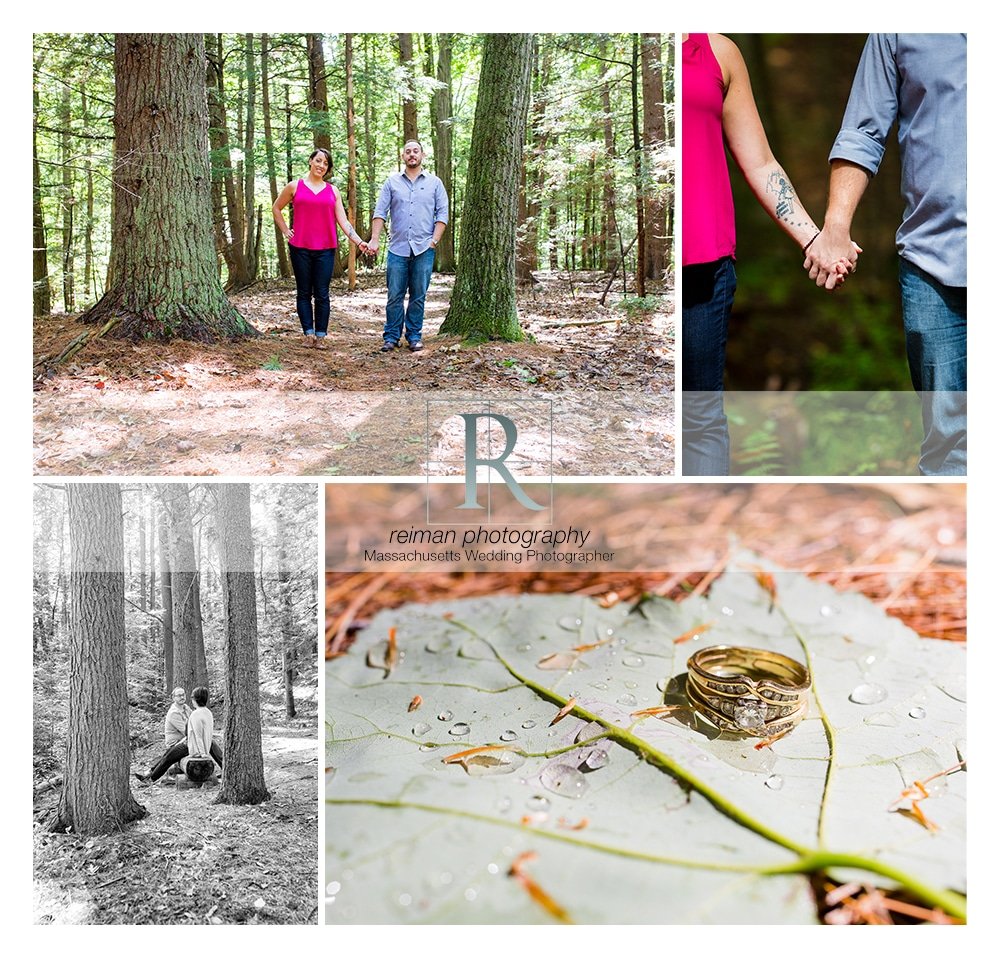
(718, 110)
(312, 244)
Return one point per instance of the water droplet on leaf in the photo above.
(774, 782)
(868, 693)
(628, 699)
(596, 758)
(421, 728)
(508, 736)
(446, 716)
(570, 622)
(528, 724)
(633, 661)
(918, 712)
(563, 780)
(459, 728)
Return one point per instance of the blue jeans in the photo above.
(707, 301)
(313, 269)
(934, 320)
(407, 274)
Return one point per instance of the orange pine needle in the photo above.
(415, 703)
(692, 633)
(469, 752)
(573, 826)
(766, 581)
(591, 645)
(655, 710)
(563, 712)
(392, 652)
(537, 893)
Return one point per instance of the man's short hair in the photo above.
(200, 696)
(178, 689)
(414, 140)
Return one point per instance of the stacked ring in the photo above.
(750, 691)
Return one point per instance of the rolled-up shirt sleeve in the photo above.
(384, 200)
(872, 107)
(440, 203)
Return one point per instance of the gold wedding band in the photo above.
(749, 691)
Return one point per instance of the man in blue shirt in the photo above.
(918, 80)
(417, 207)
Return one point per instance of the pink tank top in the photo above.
(708, 220)
(315, 218)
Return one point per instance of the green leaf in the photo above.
(682, 823)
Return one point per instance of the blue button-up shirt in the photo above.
(413, 209)
(919, 79)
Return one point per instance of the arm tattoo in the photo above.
(778, 184)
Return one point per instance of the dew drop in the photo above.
(605, 632)
(600, 686)
(590, 730)
(446, 716)
(868, 694)
(405, 899)
(538, 803)
(596, 758)
(524, 647)
(528, 724)
(333, 888)
(438, 644)
(627, 699)
(459, 728)
(470, 894)
(421, 728)
(825, 611)
(633, 661)
(570, 622)
(508, 736)
(727, 611)
(917, 712)
(428, 747)
(493, 868)
(774, 782)
(563, 780)
(631, 685)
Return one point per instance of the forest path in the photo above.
(272, 406)
(189, 861)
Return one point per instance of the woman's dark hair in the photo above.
(200, 694)
(329, 158)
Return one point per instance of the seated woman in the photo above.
(197, 740)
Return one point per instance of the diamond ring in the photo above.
(749, 691)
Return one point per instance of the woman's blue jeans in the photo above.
(406, 274)
(313, 269)
(706, 302)
(934, 320)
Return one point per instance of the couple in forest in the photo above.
(917, 81)
(416, 204)
(187, 733)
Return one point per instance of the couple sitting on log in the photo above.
(188, 737)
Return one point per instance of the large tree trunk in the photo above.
(243, 774)
(369, 126)
(444, 258)
(164, 273)
(96, 798)
(654, 138)
(252, 220)
(352, 159)
(289, 655)
(41, 298)
(529, 203)
(88, 222)
(483, 305)
(611, 245)
(272, 179)
(68, 202)
(186, 609)
(408, 93)
(319, 110)
(640, 226)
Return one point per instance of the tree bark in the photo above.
(243, 774)
(252, 219)
(640, 226)
(284, 269)
(96, 798)
(483, 305)
(352, 159)
(164, 271)
(444, 258)
(289, 656)
(88, 222)
(319, 110)
(654, 137)
(611, 245)
(529, 203)
(166, 602)
(41, 295)
(68, 202)
(409, 95)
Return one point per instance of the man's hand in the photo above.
(830, 257)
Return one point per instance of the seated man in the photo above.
(175, 724)
(197, 741)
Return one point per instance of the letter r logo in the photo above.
(472, 461)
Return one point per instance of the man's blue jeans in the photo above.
(407, 274)
(313, 269)
(707, 301)
(934, 320)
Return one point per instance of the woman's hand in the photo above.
(289, 234)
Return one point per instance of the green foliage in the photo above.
(272, 363)
(641, 305)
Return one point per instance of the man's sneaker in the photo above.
(416, 346)
(388, 347)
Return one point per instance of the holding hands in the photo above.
(830, 256)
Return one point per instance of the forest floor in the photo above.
(190, 862)
(271, 405)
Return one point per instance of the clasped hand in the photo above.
(830, 258)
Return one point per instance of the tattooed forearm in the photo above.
(779, 184)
